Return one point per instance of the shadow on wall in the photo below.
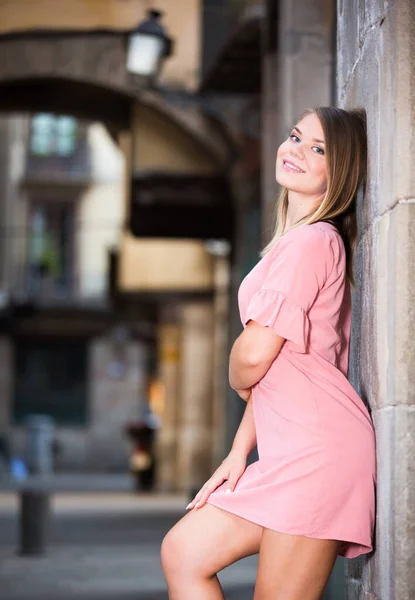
(336, 587)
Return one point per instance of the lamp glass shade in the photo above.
(144, 53)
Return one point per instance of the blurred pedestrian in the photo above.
(142, 433)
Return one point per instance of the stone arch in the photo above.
(84, 73)
(57, 94)
(95, 58)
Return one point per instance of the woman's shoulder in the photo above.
(318, 242)
(314, 235)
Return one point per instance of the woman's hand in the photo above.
(231, 469)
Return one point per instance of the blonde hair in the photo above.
(346, 154)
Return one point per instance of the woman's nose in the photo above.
(298, 153)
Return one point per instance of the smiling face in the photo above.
(301, 164)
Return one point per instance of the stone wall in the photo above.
(376, 69)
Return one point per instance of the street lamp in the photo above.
(148, 45)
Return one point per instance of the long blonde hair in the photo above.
(346, 153)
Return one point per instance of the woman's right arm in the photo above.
(245, 438)
(234, 464)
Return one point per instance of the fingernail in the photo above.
(188, 505)
(228, 491)
(197, 504)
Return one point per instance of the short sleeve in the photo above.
(299, 268)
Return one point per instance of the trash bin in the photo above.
(39, 445)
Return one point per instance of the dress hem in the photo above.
(359, 547)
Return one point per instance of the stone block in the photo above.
(354, 590)
(369, 382)
(382, 82)
(348, 35)
(372, 13)
(362, 362)
(394, 346)
(393, 573)
(369, 596)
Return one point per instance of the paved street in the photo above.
(103, 546)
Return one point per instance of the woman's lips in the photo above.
(291, 167)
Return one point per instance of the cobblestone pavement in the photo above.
(102, 546)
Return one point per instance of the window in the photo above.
(53, 135)
(51, 379)
(50, 249)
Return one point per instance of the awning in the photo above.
(181, 206)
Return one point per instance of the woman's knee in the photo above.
(172, 548)
(179, 549)
(205, 542)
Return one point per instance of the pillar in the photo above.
(168, 340)
(376, 69)
(195, 416)
(220, 358)
(300, 77)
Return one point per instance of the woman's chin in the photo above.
(285, 181)
(289, 182)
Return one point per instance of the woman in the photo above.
(310, 496)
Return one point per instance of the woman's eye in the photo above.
(294, 136)
(321, 151)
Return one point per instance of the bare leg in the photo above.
(293, 567)
(201, 544)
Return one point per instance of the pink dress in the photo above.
(316, 472)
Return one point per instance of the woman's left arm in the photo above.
(252, 355)
(279, 309)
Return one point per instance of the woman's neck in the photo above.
(299, 207)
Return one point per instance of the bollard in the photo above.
(34, 521)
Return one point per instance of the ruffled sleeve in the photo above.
(299, 267)
(272, 309)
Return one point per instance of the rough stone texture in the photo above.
(381, 80)
(376, 51)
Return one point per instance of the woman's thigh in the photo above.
(293, 567)
(207, 540)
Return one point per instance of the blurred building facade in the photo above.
(62, 217)
(109, 305)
